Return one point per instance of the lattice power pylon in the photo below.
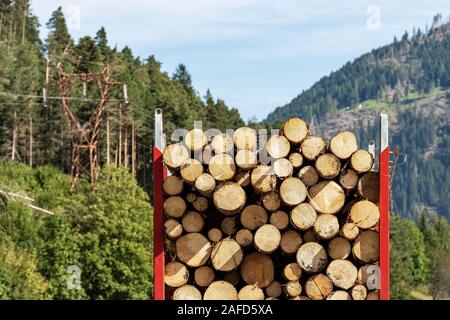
(85, 157)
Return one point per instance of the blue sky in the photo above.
(254, 54)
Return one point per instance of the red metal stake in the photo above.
(384, 208)
(159, 174)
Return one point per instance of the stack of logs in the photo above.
(295, 219)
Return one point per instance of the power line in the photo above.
(57, 97)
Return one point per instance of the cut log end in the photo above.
(344, 144)
(193, 249)
(175, 274)
(326, 226)
(328, 166)
(195, 139)
(187, 292)
(293, 191)
(303, 216)
(296, 160)
(312, 257)
(267, 238)
(175, 155)
(244, 237)
(203, 276)
(295, 130)
(327, 197)
(279, 219)
(278, 147)
(226, 255)
(253, 216)
(229, 198)
(362, 161)
(245, 138)
(318, 287)
(271, 201)
(257, 269)
(251, 292)
(221, 290)
(312, 147)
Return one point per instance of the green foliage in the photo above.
(19, 277)
(409, 261)
(115, 234)
(105, 231)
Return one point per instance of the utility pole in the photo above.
(85, 156)
(14, 137)
(30, 131)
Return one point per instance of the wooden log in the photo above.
(300, 298)
(203, 276)
(245, 138)
(369, 186)
(364, 214)
(308, 175)
(326, 197)
(228, 226)
(222, 167)
(373, 296)
(342, 273)
(283, 168)
(257, 268)
(328, 166)
(292, 272)
(251, 292)
(191, 170)
(172, 228)
(339, 248)
(366, 247)
(348, 179)
(274, 290)
(175, 274)
(193, 222)
(174, 206)
(312, 257)
(293, 191)
(175, 155)
(278, 147)
(221, 290)
(267, 238)
(292, 288)
(253, 216)
(349, 231)
(190, 197)
(296, 160)
(263, 179)
(229, 198)
(195, 139)
(326, 226)
(226, 255)
(207, 154)
(367, 276)
(361, 161)
(222, 143)
(232, 277)
(290, 242)
(318, 287)
(343, 144)
(312, 147)
(279, 219)
(246, 159)
(271, 201)
(193, 249)
(359, 292)
(187, 292)
(173, 185)
(215, 234)
(244, 237)
(200, 204)
(243, 178)
(310, 236)
(339, 295)
(303, 216)
(295, 130)
(205, 184)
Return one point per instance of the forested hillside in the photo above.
(35, 132)
(410, 79)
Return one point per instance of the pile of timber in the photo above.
(294, 219)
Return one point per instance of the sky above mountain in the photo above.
(254, 54)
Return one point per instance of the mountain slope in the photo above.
(410, 79)
(413, 64)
